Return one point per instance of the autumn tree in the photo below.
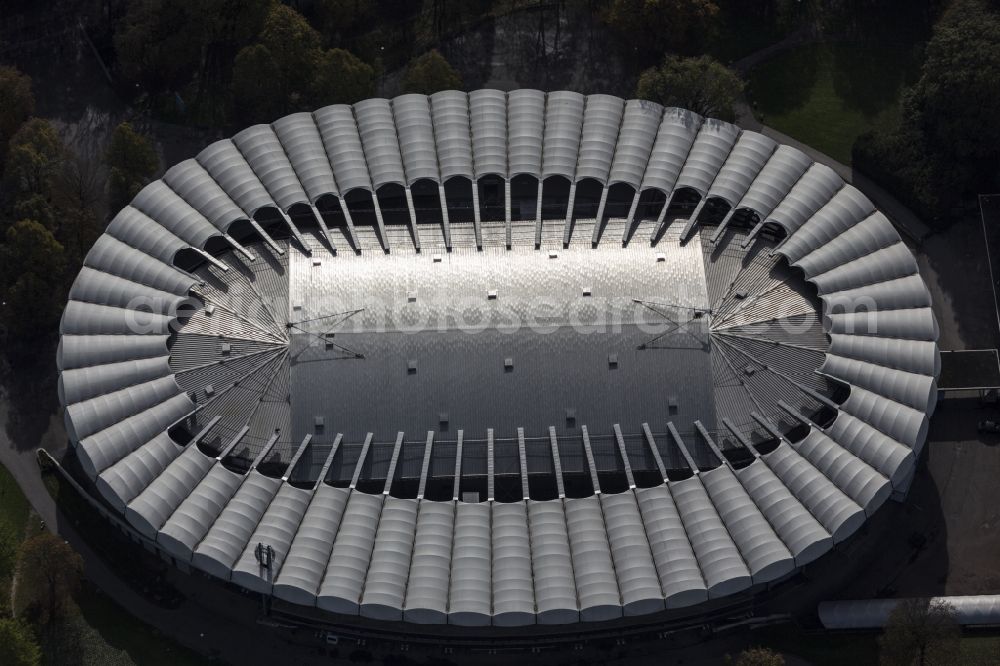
(430, 73)
(653, 27)
(132, 162)
(17, 644)
(17, 103)
(32, 275)
(49, 573)
(701, 84)
(922, 632)
(759, 656)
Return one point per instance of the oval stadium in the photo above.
(498, 359)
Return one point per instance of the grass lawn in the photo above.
(113, 630)
(14, 512)
(826, 95)
(820, 649)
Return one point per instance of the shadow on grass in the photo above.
(786, 83)
(871, 79)
(139, 569)
(117, 631)
(819, 648)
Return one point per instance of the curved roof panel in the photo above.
(674, 138)
(342, 143)
(451, 117)
(810, 193)
(430, 569)
(711, 148)
(300, 138)
(746, 159)
(488, 119)
(563, 126)
(775, 180)
(602, 118)
(415, 129)
(229, 168)
(269, 161)
(640, 123)
(513, 588)
(377, 130)
(194, 184)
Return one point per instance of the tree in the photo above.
(17, 103)
(429, 74)
(954, 102)
(759, 656)
(295, 47)
(945, 146)
(34, 158)
(341, 78)
(255, 85)
(159, 43)
(169, 47)
(17, 644)
(701, 84)
(653, 27)
(49, 573)
(131, 161)
(338, 17)
(922, 632)
(32, 275)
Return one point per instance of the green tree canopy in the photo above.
(132, 162)
(163, 44)
(295, 47)
(17, 103)
(430, 73)
(32, 275)
(653, 27)
(255, 88)
(159, 43)
(955, 102)
(17, 644)
(341, 78)
(923, 632)
(49, 573)
(288, 70)
(946, 146)
(701, 84)
(34, 158)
